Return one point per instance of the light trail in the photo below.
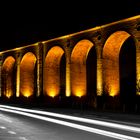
(22, 138)
(77, 126)
(2, 127)
(2, 117)
(12, 132)
(79, 119)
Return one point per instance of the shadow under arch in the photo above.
(115, 52)
(27, 74)
(127, 63)
(8, 77)
(80, 76)
(54, 72)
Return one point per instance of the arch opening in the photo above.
(115, 53)
(54, 72)
(27, 75)
(8, 77)
(80, 68)
(91, 72)
(127, 63)
(63, 76)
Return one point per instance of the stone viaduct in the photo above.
(97, 62)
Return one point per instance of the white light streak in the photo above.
(79, 119)
(22, 138)
(2, 127)
(77, 126)
(12, 132)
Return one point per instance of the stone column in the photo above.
(99, 77)
(136, 34)
(39, 69)
(68, 81)
(99, 68)
(0, 76)
(99, 80)
(18, 59)
(138, 67)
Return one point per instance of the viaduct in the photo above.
(101, 64)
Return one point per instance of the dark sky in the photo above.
(27, 23)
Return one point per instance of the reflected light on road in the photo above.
(79, 119)
(73, 125)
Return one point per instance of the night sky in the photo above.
(27, 23)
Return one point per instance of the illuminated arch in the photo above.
(78, 67)
(111, 53)
(8, 76)
(52, 71)
(27, 79)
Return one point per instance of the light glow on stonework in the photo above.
(111, 53)
(18, 81)
(27, 74)
(7, 71)
(52, 71)
(27, 94)
(78, 67)
(113, 92)
(68, 87)
(52, 93)
(79, 94)
(99, 79)
(9, 94)
(138, 68)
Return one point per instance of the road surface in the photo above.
(35, 126)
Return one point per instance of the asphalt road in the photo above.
(20, 127)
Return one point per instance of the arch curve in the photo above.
(78, 67)
(111, 51)
(27, 74)
(8, 76)
(52, 77)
